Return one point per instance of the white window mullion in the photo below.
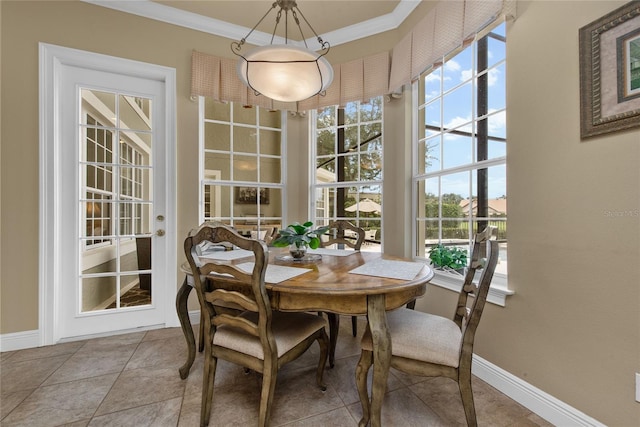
(452, 120)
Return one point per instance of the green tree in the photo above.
(356, 146)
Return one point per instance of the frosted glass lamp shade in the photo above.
(284, 72)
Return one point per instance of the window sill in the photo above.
(498, 292)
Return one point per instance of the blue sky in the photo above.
(456, 110)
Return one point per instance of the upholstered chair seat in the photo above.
(421, 336)
(289, 329)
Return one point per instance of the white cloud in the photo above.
(497, 122)
(457, 121)
(452, 65)
(432, 77)
(493, 76)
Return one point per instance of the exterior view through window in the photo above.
(348, 167)
(460, 152)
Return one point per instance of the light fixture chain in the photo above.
(324, 44)
(295, 17)
(275, 28)
(238, 45)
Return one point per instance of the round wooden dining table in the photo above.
(331, 284)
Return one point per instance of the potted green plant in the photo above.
(448, 258)
(298, 237)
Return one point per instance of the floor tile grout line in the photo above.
(39, 386)
(124, 365)
(186, 410)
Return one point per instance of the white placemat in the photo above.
(405, 270)
(332, 252)
(227, 255)
(275, 273)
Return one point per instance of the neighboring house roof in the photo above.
(496, 206)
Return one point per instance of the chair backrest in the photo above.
(468, 317)
(242, 288)
(271, 235)
(339, 231)
(370, 234)
(260, 235)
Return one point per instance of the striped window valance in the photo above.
(357, 80)
(449, 25)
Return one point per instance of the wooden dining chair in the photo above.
(427, 345)
(257, 338)
(271, 235)
(338, 234)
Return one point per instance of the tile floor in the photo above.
(132, 380)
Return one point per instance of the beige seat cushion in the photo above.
(421, 336)
(289, 329)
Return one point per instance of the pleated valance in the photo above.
(357, 80)
(449, 25)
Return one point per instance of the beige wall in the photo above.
(572, 328)
(575, 323)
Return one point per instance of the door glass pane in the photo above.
(134, 113)
(115, 200)
(98, 293)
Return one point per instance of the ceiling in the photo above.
(336, 21)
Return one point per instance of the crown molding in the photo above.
(170, 15)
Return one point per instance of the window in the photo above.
(348, 163)
(241, 166)
(460, 148)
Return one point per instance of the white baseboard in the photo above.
(543, 404)
(19, 340)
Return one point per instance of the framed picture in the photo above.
(249, 195)
(610, 72)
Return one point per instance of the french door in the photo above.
(114, 234)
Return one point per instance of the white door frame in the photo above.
(52, 58)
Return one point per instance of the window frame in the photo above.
(212, 178)
(499, 287)
(359, 184)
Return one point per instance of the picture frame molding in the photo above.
(592, 83)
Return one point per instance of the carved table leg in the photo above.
(334, 326)
(183, 315)
(381, 354)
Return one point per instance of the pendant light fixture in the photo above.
(285, 72)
